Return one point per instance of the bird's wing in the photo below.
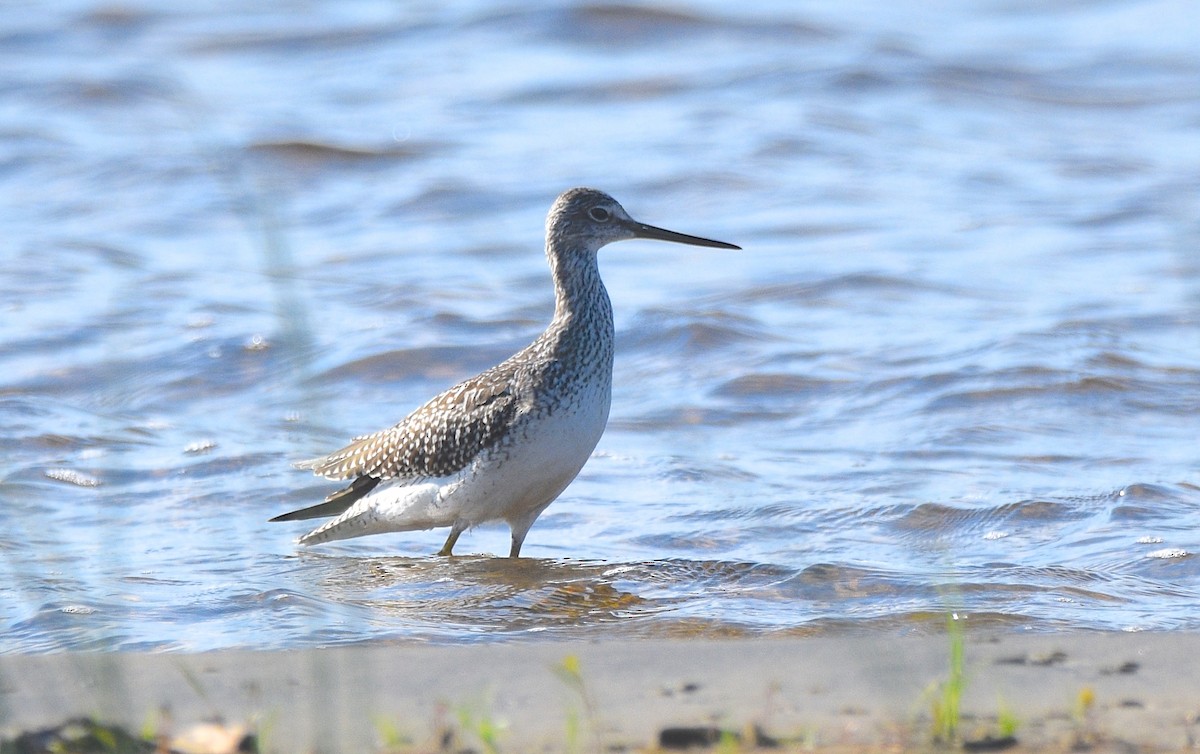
(437, 439)
(337, 503)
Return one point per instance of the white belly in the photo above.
(512, 482)
(529, 472)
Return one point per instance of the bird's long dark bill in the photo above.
(662, 234)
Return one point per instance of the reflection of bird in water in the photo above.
(503, 444)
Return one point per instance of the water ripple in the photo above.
(953, 368)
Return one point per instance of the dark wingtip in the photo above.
(335, 504)
(291, 516)
(320, 510)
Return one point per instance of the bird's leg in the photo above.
(458, 528)
(520, 527)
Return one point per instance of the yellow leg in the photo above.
(455, 531)
(520, 527)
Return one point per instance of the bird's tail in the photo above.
(398, 508)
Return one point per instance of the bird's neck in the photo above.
(583, 321)
(579, 293)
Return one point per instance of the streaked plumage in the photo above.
(504, 444)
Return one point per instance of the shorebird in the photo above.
(504, 444)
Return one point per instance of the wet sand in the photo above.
(1089, 691)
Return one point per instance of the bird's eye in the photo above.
(599, 214)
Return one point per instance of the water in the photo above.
(957, 364)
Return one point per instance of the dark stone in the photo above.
(77, 736)
(687, 737)
(987, 743)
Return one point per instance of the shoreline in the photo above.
(1137, 691)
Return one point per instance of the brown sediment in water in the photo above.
(1062, 692)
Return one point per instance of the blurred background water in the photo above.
(956, 366)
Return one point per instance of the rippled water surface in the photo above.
(956, 365)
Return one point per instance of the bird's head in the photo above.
(586, 219)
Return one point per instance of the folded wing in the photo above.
(438, 439)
